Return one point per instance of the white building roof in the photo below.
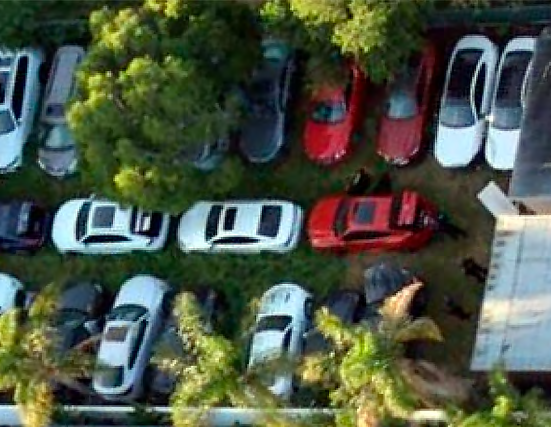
(515, 320)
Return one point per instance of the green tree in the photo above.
(366, 371)
(30, 364)
(379, 35)
(509, 407)
(46, 23)
(158, 83)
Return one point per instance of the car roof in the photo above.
(61, 81)
(369, 213)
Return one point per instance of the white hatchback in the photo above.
(98, 226)
(127, 339)
(508, 103)
(466, 100)
(19, 94)
(241, 226)
(284, 315)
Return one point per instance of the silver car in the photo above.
(57, 154)
(263, 134)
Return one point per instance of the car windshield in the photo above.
(339, 226)
(270, 218)
(126, 312)
(70, 317)
(329, 112)
(273, 323)
(213, 220)
(456, 111)
(59, 138)
(82, 220)
(401, 102)
(109, 376)
(7, 123)
(116, 333)
(507, 112)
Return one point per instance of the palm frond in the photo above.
(35, 401)
(398, 305)
(44, 306)
(421, 328)
(9, 324)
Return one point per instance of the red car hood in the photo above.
(325, 141)
(399, 139)
(322, 218)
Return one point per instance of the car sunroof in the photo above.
(103, 217)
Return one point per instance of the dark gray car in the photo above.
(263, 133)
(80, 313)
(348, 306)
(161, 382)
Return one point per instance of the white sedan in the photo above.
(466, 100)
(241, 226)
(97, 226)
(19, 94)
(508, 103)
(284, 316)
(130, 330)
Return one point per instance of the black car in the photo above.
(348, 306)
(23, 226)
(80, 313)
(161, 383)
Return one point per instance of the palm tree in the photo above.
(30, 363)
(508, 409)
(211, 373)
(367, 371)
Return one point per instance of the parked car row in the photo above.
(338, 223)
(140, 321)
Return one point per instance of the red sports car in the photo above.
(408, 109)
(340, 223)
(335, 114)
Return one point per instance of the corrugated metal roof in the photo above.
(515, 319)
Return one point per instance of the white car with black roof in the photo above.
(241, 226)
(99, 226)
(131, 327)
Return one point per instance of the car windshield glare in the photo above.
(109, 376)
(127, 313)
(273, 323)
(82, 221)
(507, 112)
(456, 113)
(7, 123)
(270, 218)
(329, 112)
(59, 138)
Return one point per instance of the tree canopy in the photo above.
(161, 80)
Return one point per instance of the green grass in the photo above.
(242, 277)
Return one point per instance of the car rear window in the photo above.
(270, 218)
(109, 376)
(146, 223)
(273, 323)
(213, 220)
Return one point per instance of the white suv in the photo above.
(130, 330)
(98, 226)
(19, 94)
(241, 226)
(284, 316)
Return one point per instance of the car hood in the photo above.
(456, 147)
(57, 161)
(399, 139)
(324, 142)
(192, 225)
(259, 139)
(146, 291)
(322, 218)
(265, 345)
(80, 297)
(10, 148)
(501, 148)
(63, 225)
